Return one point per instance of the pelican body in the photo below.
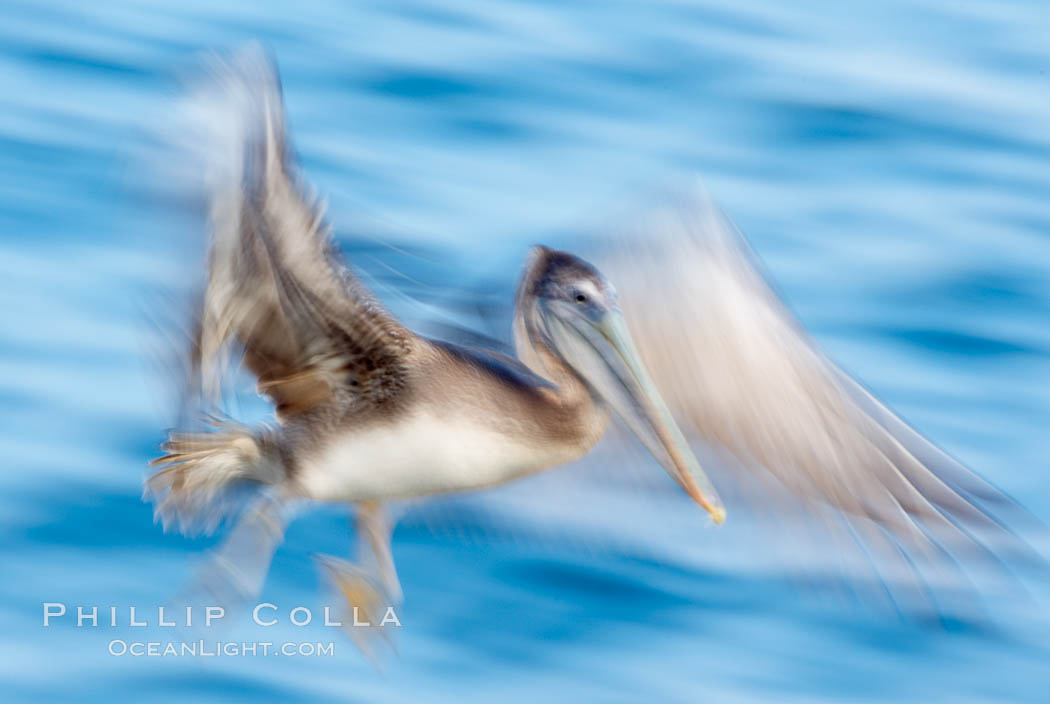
(474, 420)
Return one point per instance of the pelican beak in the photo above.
(620, 378)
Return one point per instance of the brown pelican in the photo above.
(369, 412)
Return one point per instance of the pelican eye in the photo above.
(581, 298)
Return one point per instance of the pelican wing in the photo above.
(309, 330)
(739, 372)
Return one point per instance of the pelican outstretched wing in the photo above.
(740, 373)
(309, 330)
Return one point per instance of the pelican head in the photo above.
(570, 308)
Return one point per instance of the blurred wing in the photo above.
(739, 372)
(310, 331)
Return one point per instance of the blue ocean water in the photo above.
(889, 161)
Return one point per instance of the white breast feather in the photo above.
(422, 454)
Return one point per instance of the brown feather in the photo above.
(309, 331)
